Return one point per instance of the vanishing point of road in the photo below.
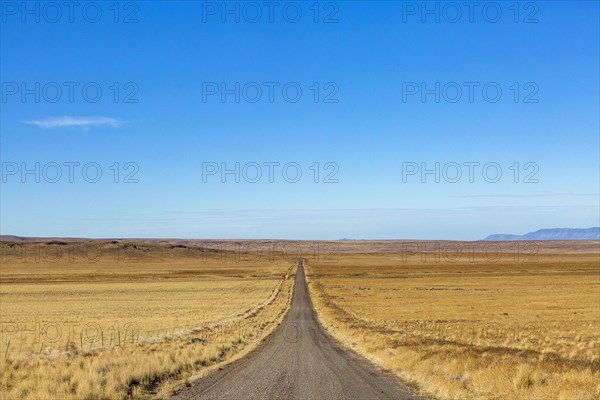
(298, 361)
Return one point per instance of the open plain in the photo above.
(114, 319)
(122, 319)
(500, 320)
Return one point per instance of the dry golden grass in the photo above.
(119, 323)
(525, 328)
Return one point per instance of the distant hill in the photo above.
(13, 238)
(552, 234)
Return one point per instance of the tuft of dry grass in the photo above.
(137, 326)
(473, 329)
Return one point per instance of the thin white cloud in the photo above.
(525, 195)
(74, 122)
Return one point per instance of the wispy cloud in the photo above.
(74, 122)
(466, 196)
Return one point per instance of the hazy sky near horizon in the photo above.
(307, 120)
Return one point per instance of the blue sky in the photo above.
(357, 65)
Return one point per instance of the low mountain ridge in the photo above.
(552, 234)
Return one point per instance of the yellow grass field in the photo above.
(515, 325)
(113, 320)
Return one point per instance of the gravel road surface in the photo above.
(299, 360)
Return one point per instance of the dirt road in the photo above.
(298, 361)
